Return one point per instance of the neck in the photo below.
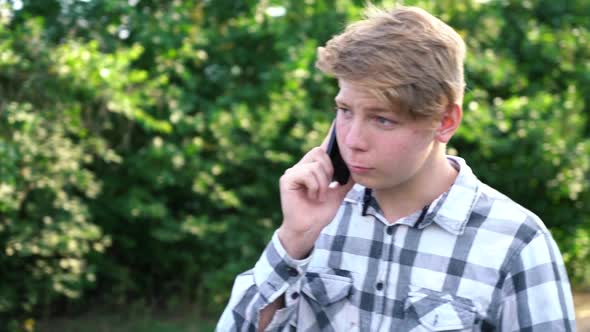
(433, 179)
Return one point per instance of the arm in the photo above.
(257, 297)
(267, 314)
(536, 290)
(308, 203)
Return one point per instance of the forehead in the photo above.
(354, 95)
(360, 98)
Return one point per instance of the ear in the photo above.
(449, 123)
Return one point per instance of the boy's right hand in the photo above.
(308, 201)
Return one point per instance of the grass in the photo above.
(138, 318)
(135, 318)
(106, 324)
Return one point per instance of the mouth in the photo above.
(355, 169)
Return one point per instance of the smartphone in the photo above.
(341, 172)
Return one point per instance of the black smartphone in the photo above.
(341, 172)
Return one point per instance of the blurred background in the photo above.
(141, 143)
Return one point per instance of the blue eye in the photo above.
(343, 111)
(384, 121)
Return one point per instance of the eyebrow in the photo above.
(340, 101)
(372, 109)
(378, 110)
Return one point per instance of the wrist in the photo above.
(298, 245)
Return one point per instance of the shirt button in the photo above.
(379, 285)
(294, 295)
(390, 230)
(292, 272)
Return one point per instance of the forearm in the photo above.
(267, 314)
(258, 296)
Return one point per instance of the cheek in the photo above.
(340, 130)
(404, 148)
(391, 153)
(419, 140)
(340, 135)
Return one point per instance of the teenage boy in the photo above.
(414, 241)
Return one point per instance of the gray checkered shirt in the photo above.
(472, 260)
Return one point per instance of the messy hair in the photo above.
(405, 57)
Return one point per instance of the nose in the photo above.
(354, 136)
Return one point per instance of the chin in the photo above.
(375, 183)
(364, 181)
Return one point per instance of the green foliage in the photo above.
(526, 128)
(141, 142)
(44, 226)
(136, 317)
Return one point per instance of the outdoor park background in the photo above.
(141, 142)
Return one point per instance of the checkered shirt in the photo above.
(472, 260)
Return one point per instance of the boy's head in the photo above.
(405, 57)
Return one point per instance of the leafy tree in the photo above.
(141, 141)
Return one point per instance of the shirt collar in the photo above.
(451, 210)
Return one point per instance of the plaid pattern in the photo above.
(472, 260)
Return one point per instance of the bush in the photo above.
(141, 143)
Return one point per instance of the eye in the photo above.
(342, 110)
(384, 121)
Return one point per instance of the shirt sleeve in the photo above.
(274, 274)
(537, 294)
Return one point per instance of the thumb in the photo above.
(340, 190)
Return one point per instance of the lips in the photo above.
(355, 169)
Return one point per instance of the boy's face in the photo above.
(382, 148)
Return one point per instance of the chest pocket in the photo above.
(327, 300)
(429, 310)
(326, 288)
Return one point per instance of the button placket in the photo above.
(292, 272)
(293, 294)
(389, 230)
(383, 275)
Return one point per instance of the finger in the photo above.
(315, 194)
(311, 156)
(326, 163)
(323, 162)
(302, 177)
(323, 181)
(315, 171)
(319, 156)
(340, 190)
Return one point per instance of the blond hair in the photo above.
(405, 57)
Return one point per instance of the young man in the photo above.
(414, 241)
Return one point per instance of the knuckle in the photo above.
(315, 152)
(321, 152)
(313, 184)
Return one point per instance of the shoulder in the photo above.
(496, 213)
(502, 208)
